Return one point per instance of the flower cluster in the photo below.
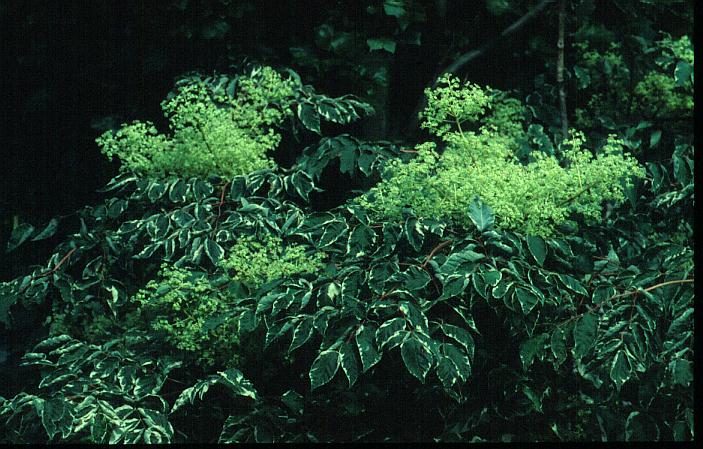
(253, 261)
(534, 198)
(179, 304)
(452, 103)
(211, 134)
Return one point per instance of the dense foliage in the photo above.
(491, 282)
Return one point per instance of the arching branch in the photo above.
(469, 56)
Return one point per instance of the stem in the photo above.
(470, 55)
(434, 251)
(654, 287)
(458, 125)
(560, 70)
(678, 281)
(50, 272)
(202, 133)
(576, 195)
(219, 208)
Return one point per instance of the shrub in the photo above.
(414, 312)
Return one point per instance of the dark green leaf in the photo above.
(585, 334)
(177, 192)
(324, 368)
(454, 285)
(349, 362)
(447, 372)
(527, 300)
(347, 160)
(309, 117)
(492, 278)
(681, 372)
(537, 248)
(156, 190)
(417, 357)
(382, 43)
(641, 427)
(532, 348)
(462, 336)
(683, 72)
(481, 215)
(56, 417)
(294, 401)
(534, 398)
(213, 250)
(460, 262)
(301, 334)
(415, 278)
(621, 369)
(654, 138)
(583, 77)
(461, 361)
(558, 345)
(389, 331)
(183, 219)
(202, 189)
(573, 284)
(395, 8)
(48, 231)
(19, 234)
(368, 353)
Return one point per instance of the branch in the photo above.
(653, 287)
(469, 56)
(577, 194)
(219, 209)
(50, 272)
(202, 134)
(434, 251)
(473, 54)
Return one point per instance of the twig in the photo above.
(202, 134)
(434, 251)
(50, 272)
(219, 208)
(515, 26)
(634, 292)
(653, 287)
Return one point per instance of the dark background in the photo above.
(72, 69)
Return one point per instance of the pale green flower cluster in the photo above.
(508, 116)
(451, 104)
(532, 198)
(182, 304)
(254, 262)
(179, 304)
(211, 135)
